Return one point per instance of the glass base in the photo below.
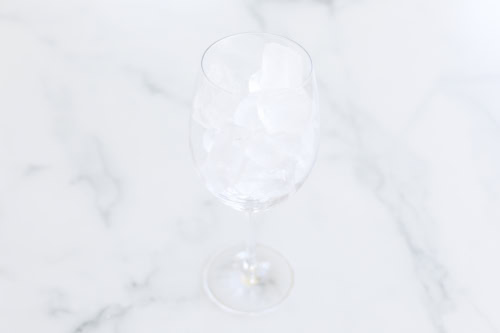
(238, 286)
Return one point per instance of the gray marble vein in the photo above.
(107, 314)
(105, 186)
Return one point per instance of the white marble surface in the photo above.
(104, 226)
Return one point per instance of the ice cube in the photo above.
(222, 165)
(267, 172)
(285, 111)
(223, 74)
(262, 188)
(282, 67)
(247, 113)
(254, 82)
(208, 139)
(262, 150)
(259, 183)
(213, 108)
(288, 144)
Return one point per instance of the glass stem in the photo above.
(251, 260)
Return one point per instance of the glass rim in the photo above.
(289, 40)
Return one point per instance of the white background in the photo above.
(105, 227)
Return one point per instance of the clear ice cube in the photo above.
(224, 160)
(268, 171)
(247, 113)
(285, 111)
(213, 108)
(282, 67)
(208, 140)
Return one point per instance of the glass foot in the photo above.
(237, 285)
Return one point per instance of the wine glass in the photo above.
(254, 136)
